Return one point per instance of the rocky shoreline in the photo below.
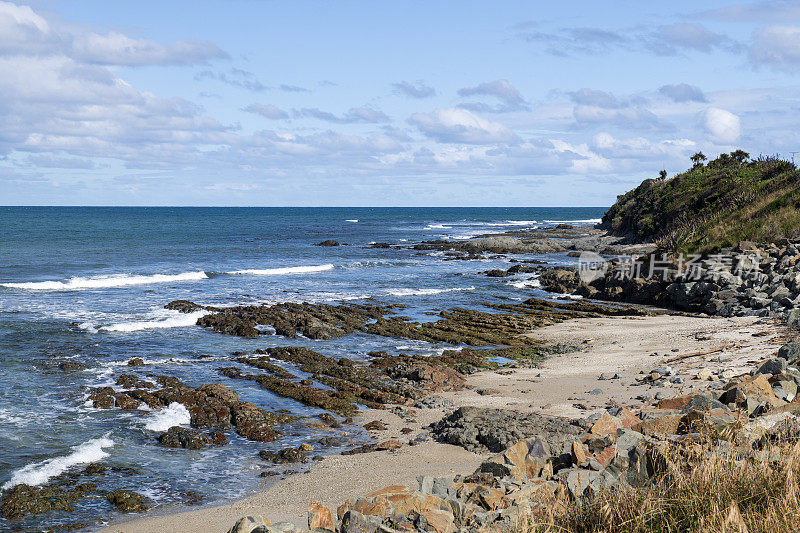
(542, 462)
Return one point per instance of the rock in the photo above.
(320, 517)
(355, 522)
(285, 456)
(128, 501)
(704, 374)
(790, 351)
(498, 273)
(305, 447)
(178, 437)
(328, 242)
(440, 520)
(136, 361)
(481, 429)
(578, 482)
(375, 425)
(22, 499)
(606, 425)
(251, 524)
(772, 366)
(389, 445)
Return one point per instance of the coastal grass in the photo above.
(712, 206)
(698, 489)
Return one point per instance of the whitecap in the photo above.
(39, 473)
(104, 282)
(351, 220)
(171, 319)
(284, 270)
(175, 414)
(525, 283)
(425, 292)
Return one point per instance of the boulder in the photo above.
(773, 366)
(251, 524)
(128, 501)
(178, 437)
(320, 517)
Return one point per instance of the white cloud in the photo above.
(420, 89)
(585, 160)
(267, 111)
(459, 125)
(502, 90)
(722, 126)
(776, 46)
(26, 33)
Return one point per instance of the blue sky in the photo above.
(248, 102)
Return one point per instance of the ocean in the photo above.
(88, 285)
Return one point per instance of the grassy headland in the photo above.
(714, 205)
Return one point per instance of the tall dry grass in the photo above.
(698, 490)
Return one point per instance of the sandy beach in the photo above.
(564, 385)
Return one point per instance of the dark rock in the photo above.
(496, 273)
(178, 437)
(375, 425)
(23, 499)
(772, 366)
(128, 501)
(329, 242)
(285, 456)
(478, 429)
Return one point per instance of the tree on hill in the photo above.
(698, 159)
(740, 156)
(662, 175)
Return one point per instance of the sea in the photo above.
(89, 285)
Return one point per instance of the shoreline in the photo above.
(561, 386)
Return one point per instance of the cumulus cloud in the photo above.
(723, 127)
(685, 35)
(510, 97)
(460, 125)
(418, 89)
(267, 111)
(24, 32)
(594, 107)
(353, 115)
(776, 46)
(683, 92)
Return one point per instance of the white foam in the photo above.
(173, 319)
(525, 283)
(38, 473)
(284, 270)
(425, 292)
(351, 220)
(438, 226)
(175, 414)
(104, 282)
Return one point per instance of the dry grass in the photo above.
(696, 490)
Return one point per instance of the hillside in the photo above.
(712, 205)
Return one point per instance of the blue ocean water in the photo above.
(89, 285)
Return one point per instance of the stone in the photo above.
(375, 425)
(578, 482)
(440, 520)
(355, 522)
(790, 351)
(305, 447)
(390, 444)
(578, 453)
(704, 374)
(773, 366)
(178, 437)
(250, 524)
(606, 425)
(320, 517)
(328, 242)
(128, 501)
(665, 425)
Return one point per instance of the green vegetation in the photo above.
(712, 205)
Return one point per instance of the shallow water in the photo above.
(89, 284)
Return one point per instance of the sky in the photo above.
(412, 103)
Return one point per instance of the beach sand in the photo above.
(628, 346)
